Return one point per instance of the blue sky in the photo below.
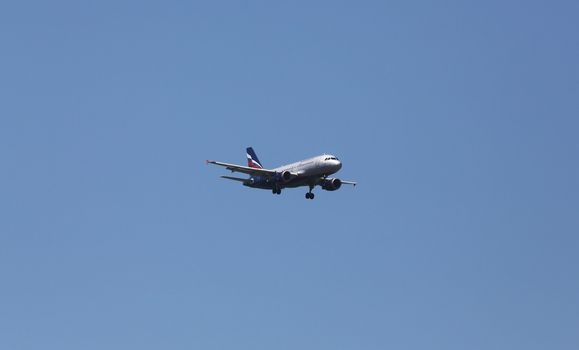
(459, 120)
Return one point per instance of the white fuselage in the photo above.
(308, 172)
(323, 165)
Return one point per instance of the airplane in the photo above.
(311, 172)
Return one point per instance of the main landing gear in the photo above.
(276, 191)
(310, 195)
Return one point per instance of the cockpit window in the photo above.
(331, 158)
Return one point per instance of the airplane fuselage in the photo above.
(309, 172)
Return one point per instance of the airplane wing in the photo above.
(349, 183)
(244, 169)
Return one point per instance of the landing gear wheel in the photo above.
(279, 191)
(310, 195)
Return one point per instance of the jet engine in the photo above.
(285, 176)
(331, 184)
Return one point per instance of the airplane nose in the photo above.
(338, 164)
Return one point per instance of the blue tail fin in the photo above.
(252, 160)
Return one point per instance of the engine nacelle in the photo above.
(331, 184)
(285, 176)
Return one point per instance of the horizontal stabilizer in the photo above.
(235, 178)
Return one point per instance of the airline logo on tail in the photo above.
(252, 160)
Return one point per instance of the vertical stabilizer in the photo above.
(252, 160)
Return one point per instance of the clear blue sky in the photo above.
(459, 119)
